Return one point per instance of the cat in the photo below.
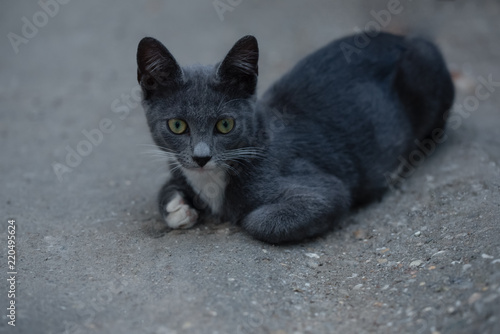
(319, 142)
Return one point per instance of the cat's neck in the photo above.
(209, 185)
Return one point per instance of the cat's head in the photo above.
(202, 116)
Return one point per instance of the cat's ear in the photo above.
(239, 69)
(156, 67)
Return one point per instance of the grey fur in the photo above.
(320, 141)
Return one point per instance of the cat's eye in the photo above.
(225, 125)
(177, 126)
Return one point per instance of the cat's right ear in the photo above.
(156, 67)
(239, 69)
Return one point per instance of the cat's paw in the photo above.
(178, 214)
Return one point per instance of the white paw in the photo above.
(180, 215)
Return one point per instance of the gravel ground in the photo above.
(91, 253)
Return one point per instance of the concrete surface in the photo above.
(92, 255)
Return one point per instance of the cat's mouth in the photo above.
(198, 169)
(199, 165)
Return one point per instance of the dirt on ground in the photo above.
(91, 254)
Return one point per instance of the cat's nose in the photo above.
(201, 154)
(201, 161)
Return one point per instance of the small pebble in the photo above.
(383, 250)
(486, 256)
(417, 234)
(312, 255)
(360, 234)
(312, 264)
(279, 331)
(466, 267)
(464, 82)
(474, 298)
(416, 263)
(187, 325)
(212, 313)
(438, 253)
(357, 287)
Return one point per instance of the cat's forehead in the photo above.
(199, 96)
(198, 76)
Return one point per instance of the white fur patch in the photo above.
(180, 215)
(210, 185)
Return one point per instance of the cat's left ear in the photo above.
(239, 69)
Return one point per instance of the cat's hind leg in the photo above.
(303, 206)
(175, 208)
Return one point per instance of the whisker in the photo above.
(158, 153)
(243, 155)
(231, 168)
(175, 168)
(157, 147)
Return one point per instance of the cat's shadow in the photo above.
(154, 227)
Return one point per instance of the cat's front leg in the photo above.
(179, 215)
(175, 205)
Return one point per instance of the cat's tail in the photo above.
(423, 79)
(425, 85)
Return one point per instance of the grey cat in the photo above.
(321, 140)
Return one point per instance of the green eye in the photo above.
(225, 125)
(177, 126)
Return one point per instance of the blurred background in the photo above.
(92, 254)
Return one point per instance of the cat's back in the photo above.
(340, 91)
(331, 102)
(337, 67)
(340, 108)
